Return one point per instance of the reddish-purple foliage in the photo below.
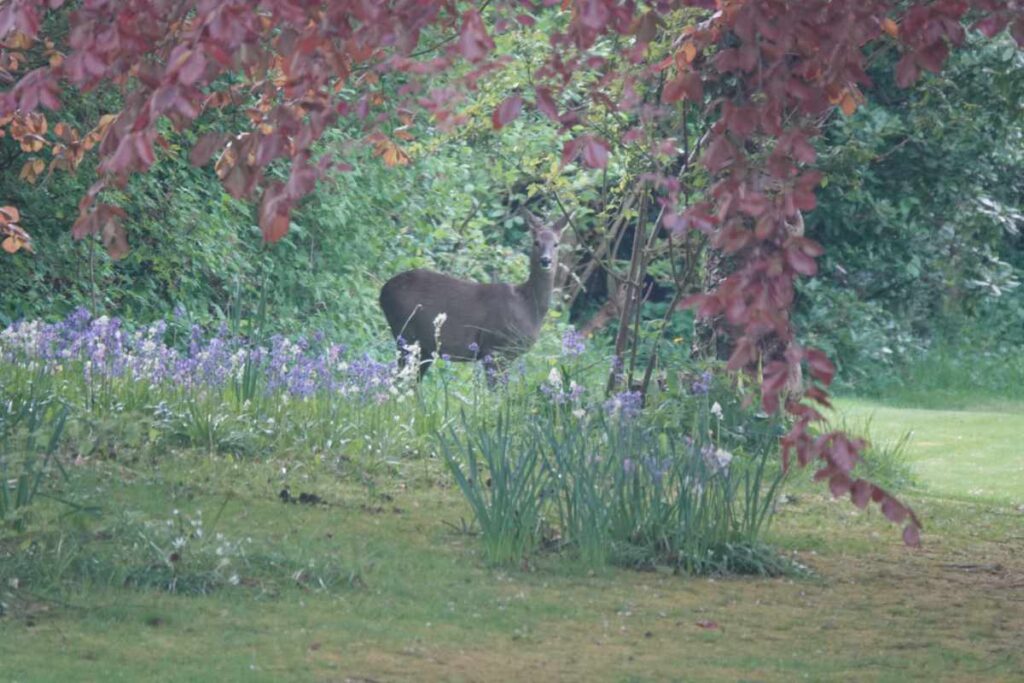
(785, 65)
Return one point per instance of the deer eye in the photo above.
(536, 243)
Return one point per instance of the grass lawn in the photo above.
(969, 454)
(408, 598)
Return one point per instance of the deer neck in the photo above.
(537, 290)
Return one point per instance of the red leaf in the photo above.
(818, 396)
(860, 493)
(507, 112)
(742, 354)
(238, 181)
(595, 152)
(906, 71)
(775, 376)
(754, 204)
(992, 24)
(546, 104)
(839, 485)
(646, 27)
(801, 262)
(275, 213)
(205, 147)
(686, 85)
(823, 473)
(302, 179)
(808, 246)
(269, 147)
(84, 225)
(115, 241)
(822, 369)
(1017, 31)
(163, 98)
(674, 90)
(594, 14)
(741, 121)
(697, 217)
(222, 56)
(766, 226)
(727, 60)
(474, 43)
(802, 149)
(893, 511)
(934, 56)
(193, 68)
(844, 454)
(571, 150)
(707, 625)
(143, 149)
(719, 154)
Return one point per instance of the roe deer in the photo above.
(489, 322)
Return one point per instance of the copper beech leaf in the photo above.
(595, 152)
(474, 43)
(546, 104)
(860, 493)
(912, 535)
(506, 112)
(907, 71)
(9, 214)
(275, 213)
(206, 146)
(115, 241)
(686, 85)
(12, 244)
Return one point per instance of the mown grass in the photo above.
(408, 596)
(970, 454)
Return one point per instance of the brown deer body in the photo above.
(488, 322)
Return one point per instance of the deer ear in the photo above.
(532, 222)
(559, 225)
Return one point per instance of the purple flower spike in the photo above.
(702, 386)
(626, 405)
(572, 343)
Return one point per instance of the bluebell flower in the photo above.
(626, 405)
(702, 386)
(657, 468)
(572, 343)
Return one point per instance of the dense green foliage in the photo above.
(923, 215)
(921, 212)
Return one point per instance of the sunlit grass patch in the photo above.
(974, 454)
